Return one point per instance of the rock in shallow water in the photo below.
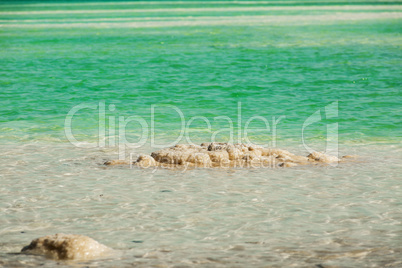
(225, 155)
(67, 247)
(320, 157)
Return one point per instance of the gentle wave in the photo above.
(208, 18)
(213, 21)
(206, 9)
(186, 2)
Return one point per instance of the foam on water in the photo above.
(225, 9)
(216, 21)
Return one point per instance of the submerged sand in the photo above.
(226, 155)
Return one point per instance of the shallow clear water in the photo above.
(276, 62)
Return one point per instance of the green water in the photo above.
(304, 72)
(286, 68)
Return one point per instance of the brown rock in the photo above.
(226, 155)
(145, 161)
(67, 247)
(117, 162)
(323, 158)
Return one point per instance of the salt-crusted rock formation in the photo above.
(117, 162)
(67, 247)
(225, 155)
(320, 157)
(145, 161)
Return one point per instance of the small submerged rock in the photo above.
(226, 155)
(323, 158)
(67, 247)
(117, 162)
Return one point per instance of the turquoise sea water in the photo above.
(283, 61)
(173, 67)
